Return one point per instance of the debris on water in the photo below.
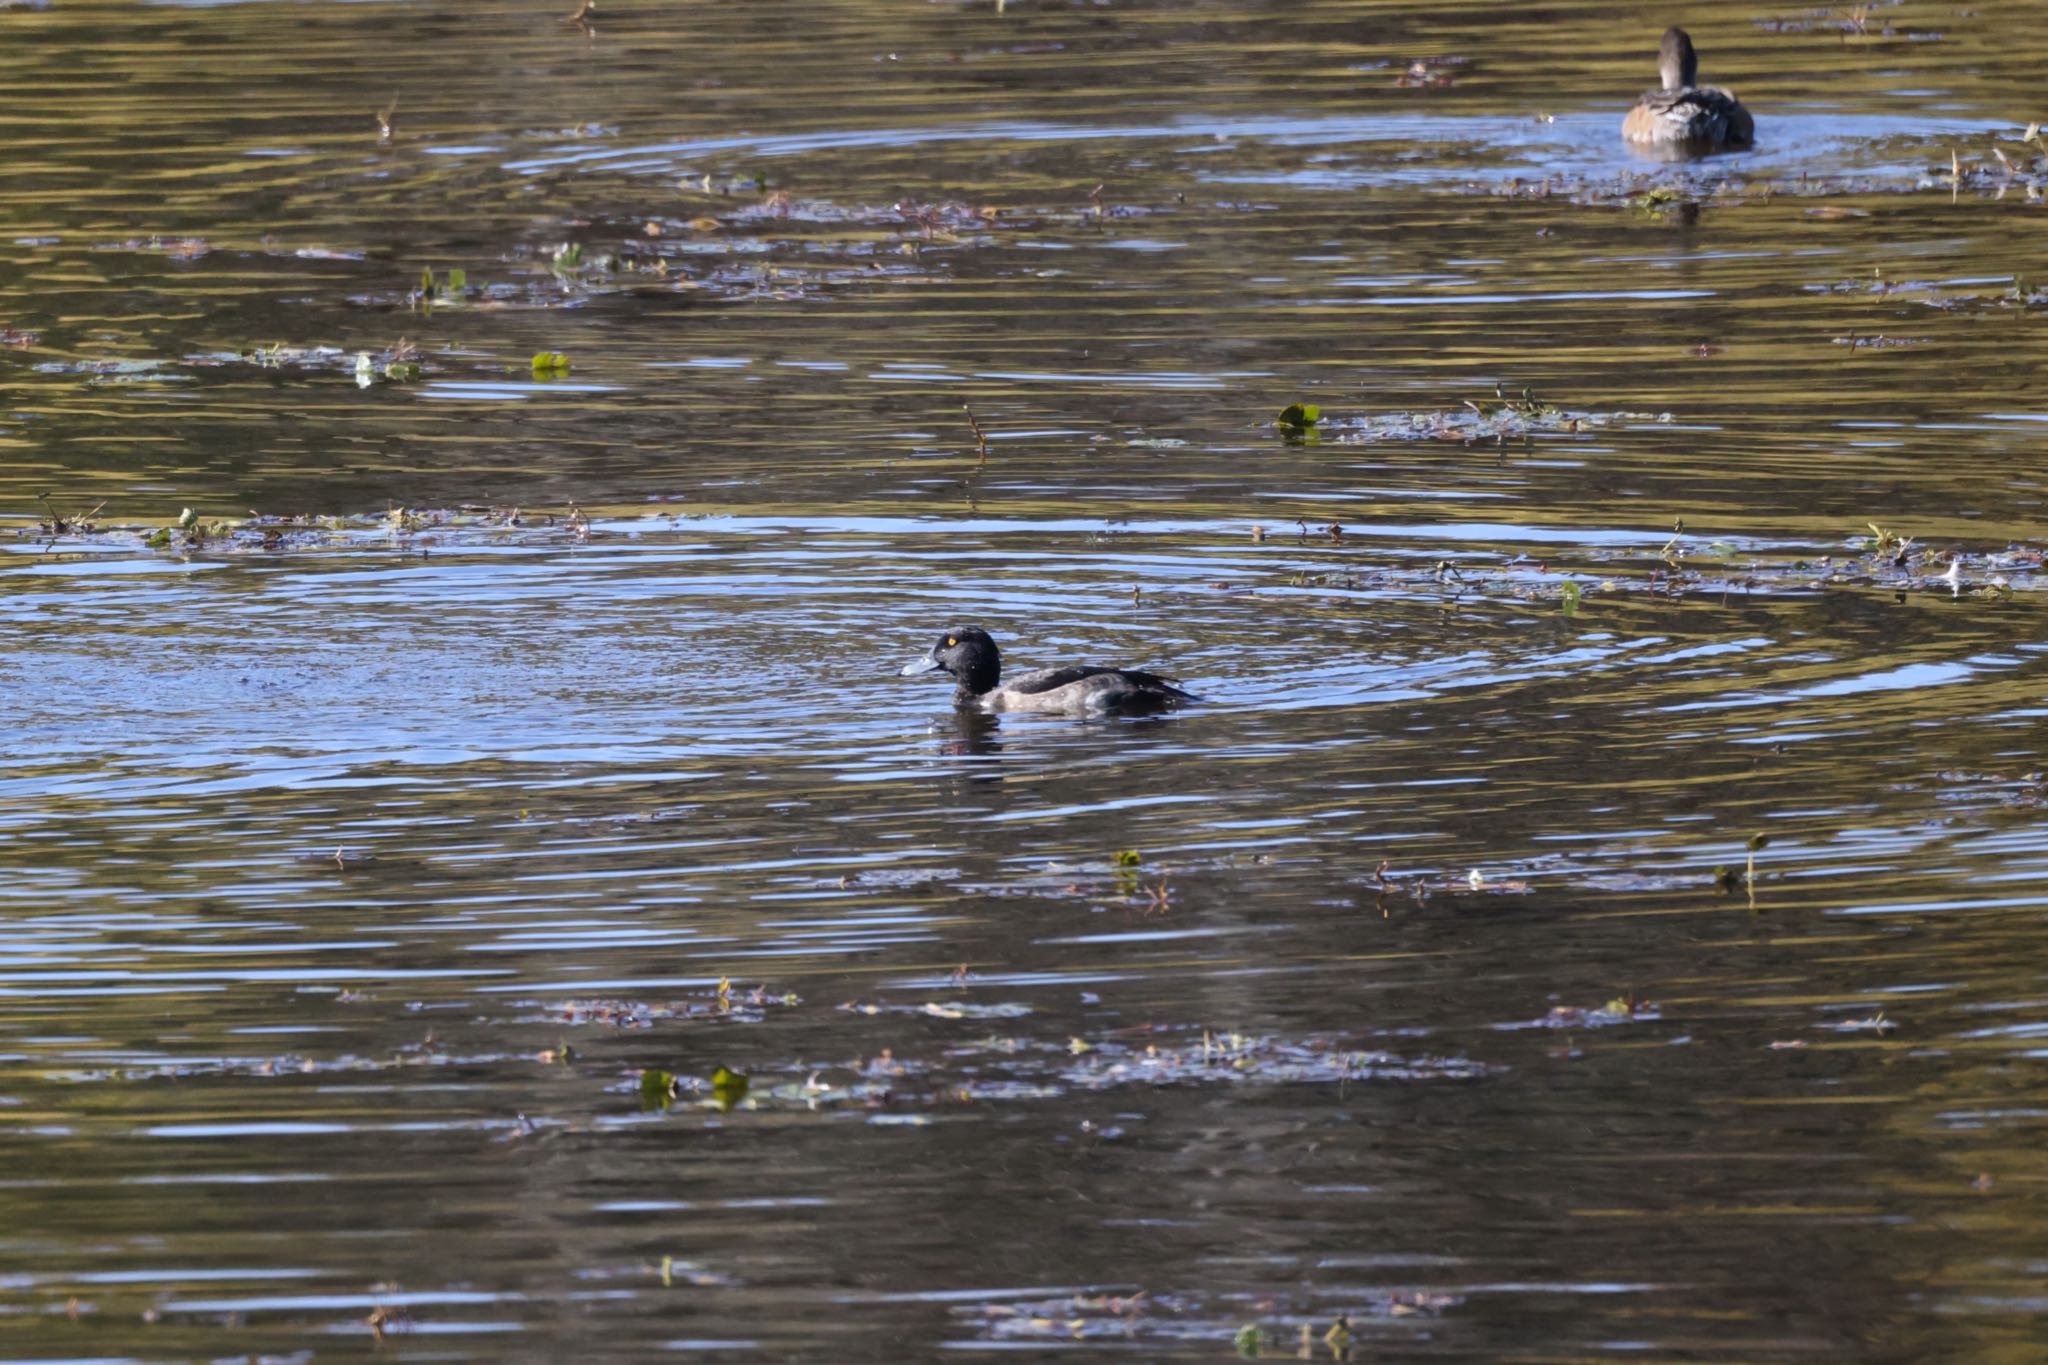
(550, 365)
(1876, 1023)
(1620, 1010)
(1431, 73)
(58, 524)
(1338, 1336)
(949, 1009)
(980, 438)
(384, 1320)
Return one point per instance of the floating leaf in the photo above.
(657, 1088)
(1300, 416)
(1570, 598)
(728, 1088)
(550, 364)
(458, 280)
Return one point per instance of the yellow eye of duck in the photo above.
(950, 642)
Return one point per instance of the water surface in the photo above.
(542, 735)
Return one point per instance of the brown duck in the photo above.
(1685, 114)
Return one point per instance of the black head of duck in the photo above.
(971, 657)
(1683, 114)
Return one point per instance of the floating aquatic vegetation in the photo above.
(2021, 791)
(450, 290)
(724, 1090)
(178, 248)
(427, 1053)
(740, 243)
(1505, 417)
(1140, 1316)
(997, 1069)
(116, 371)
(1297, 419)
(1664, 202)
(1237, 1058)
(409, 527)
(1851, 21)
(750, 1007)
(399, 363)
(1884, 560)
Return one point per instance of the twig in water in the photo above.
(61, 524)
(980, 440)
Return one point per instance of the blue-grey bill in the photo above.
(916, 666)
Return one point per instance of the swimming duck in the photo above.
(1697, 116)
(970, 656)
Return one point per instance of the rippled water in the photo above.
(394, 881)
